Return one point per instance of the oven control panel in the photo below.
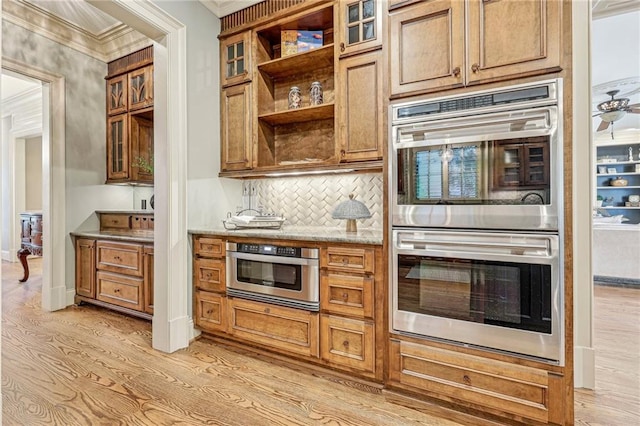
(269, 249)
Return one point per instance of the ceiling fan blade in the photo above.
(603, 126)
(635, 108)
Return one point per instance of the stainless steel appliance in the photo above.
(495, 290)
(282, 275)
(477, 219)
(487, 160)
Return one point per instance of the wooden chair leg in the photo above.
(22, 255)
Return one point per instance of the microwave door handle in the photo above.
(274, 259)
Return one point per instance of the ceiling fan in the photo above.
(613, 110)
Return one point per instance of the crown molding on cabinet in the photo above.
(111, 44)
(605, 8)
(222, 8)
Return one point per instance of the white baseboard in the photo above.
(584, 375)
(194, 331)
(71, 297)
(10, 255)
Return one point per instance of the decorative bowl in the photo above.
(619, 181)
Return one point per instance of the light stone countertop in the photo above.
(125, 236)
(303, 233)
(149, 211)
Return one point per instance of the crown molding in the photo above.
(111, 44)
(222, 8)
(606, 8)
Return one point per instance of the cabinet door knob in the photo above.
(343, 153)
(475, 68)
(345, 344)
(456, 72)
(345, 296)
(342, 47)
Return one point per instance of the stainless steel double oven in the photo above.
(476, 219)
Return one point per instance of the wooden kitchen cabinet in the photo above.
(141, 88)
(351, 322)
(235, 59)
(86, 267)
(520, 165)
(117, 95)
(209, 283)
(236, 128)
(120, 290)
(359, 25)
(506, 40)
(276, 327)
(118, 257)
(525, 393)
(147, 284)
(361, 118)
(130, 118)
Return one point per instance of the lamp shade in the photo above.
(351, 209)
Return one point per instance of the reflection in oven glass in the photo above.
(270, 274)
(506, 294)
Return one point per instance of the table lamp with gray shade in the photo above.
(351, 210)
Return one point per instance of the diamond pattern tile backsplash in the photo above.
(309, 201)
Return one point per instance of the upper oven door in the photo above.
(487, 171)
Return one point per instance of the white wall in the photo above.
(33, 173)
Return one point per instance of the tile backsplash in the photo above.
(310, 200)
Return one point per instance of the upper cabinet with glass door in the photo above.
(359, 25)
(235, 60)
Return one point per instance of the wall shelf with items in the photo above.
(615, 163)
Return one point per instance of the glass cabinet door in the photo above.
(235, 59)
(117, 95)
(117, 148)
(141, 88)
(360, 25)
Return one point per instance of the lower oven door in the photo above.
(494, 290)
(288, 281)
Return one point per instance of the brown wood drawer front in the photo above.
(349, 259)
(124, 258)
(115, 221)
(347, 342)
(347, 294)
(210, 274)
(498, 385)
(211, 311)
(141, 222)
(209, 247)
(119, 290)
(286, 329)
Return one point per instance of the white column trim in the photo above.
(171, 326)
(583, 166)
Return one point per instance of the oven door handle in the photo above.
(273, 259)
(476, 246)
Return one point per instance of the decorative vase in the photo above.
(295, 98)
(315, 94)
(151, 201)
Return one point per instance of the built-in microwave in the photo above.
(487, 160)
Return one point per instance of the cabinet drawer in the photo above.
(347, 294)
(119, 257)
(280, 328)
(36, 223)
(498, 385)
(141, 222)
(209, 274)
(347, 342)
(209, 247)
(349, 259)
(120, 290)
(211, 311)
(115, 221)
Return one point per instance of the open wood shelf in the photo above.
(287, 66)
(618, 187)
(299, 115)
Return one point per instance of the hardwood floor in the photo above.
(89, 366)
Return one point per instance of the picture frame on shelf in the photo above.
(612, 170)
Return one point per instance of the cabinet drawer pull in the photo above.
(345, 296)
(117, 258)
(342, 47)
(267, 310)
(466, 379)
(456, 72)
(209, 312)
(475, 68)
(345, 344)
(117, 290)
